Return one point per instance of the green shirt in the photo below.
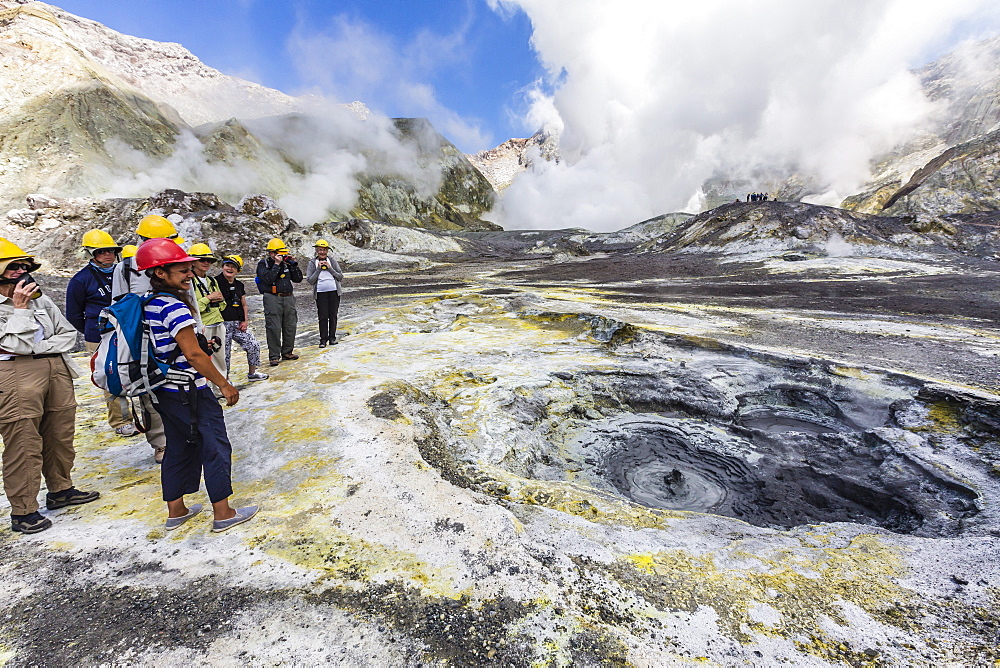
(211, 313)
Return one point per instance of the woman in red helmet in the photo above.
(197, 442)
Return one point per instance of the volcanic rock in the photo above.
(502, 164)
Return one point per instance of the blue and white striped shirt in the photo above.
(167, 316)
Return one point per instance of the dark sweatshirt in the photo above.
(87, 293)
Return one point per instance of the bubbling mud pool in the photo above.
(778, 468)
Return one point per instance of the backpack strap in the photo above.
(129, 271)
(200, 287)
(104, 278)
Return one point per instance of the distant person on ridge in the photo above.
(87, 293)
(325, 276)
(276, 274)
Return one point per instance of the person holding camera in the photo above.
(276, 275)
(197, 441)
(208, 298)
(37, 402)
(325, 276)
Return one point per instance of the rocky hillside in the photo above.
(797, 230)
(501, 164)
(952, 167)
(91, 112)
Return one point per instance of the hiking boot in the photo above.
(30, 523)
(69, 497)
(158, 455)
(257, 375)
(290, 356)
(127, 430)
(242, 515)
(274, 361)
(322, 344)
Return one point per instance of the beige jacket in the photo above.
(18, 327)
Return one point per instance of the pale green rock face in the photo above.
(462, 197)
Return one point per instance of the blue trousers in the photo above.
(184, 462)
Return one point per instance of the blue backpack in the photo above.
(124, 364)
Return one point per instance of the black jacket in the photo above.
(274, 277)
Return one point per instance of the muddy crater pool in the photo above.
(787, 456)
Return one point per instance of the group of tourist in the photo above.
(192, 317)
(757, 197)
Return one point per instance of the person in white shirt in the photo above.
(325, 276)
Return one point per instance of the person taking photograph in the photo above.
(325, 276)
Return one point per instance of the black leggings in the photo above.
(327, 305)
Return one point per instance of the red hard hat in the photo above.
(158, 252)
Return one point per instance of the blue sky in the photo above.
(455, 61)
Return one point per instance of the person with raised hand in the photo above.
(37, 402)
(276, 275)
(325, 276)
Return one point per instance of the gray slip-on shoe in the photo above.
(174, 522)
(242, 515)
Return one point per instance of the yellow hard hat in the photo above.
(202, 251)
(233, 259)
(10, 251)
(322, 243)
(128, 251)
(157, 227)
(99, 240)
(277, 244)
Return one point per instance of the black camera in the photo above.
(211, 345)
(25, 279)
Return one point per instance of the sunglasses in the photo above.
(14, 266)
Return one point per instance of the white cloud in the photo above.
(655, 97)
(330, 148)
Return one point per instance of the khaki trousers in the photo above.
(155, 436)
(115, 416)
(280, 322)
(37, 423)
